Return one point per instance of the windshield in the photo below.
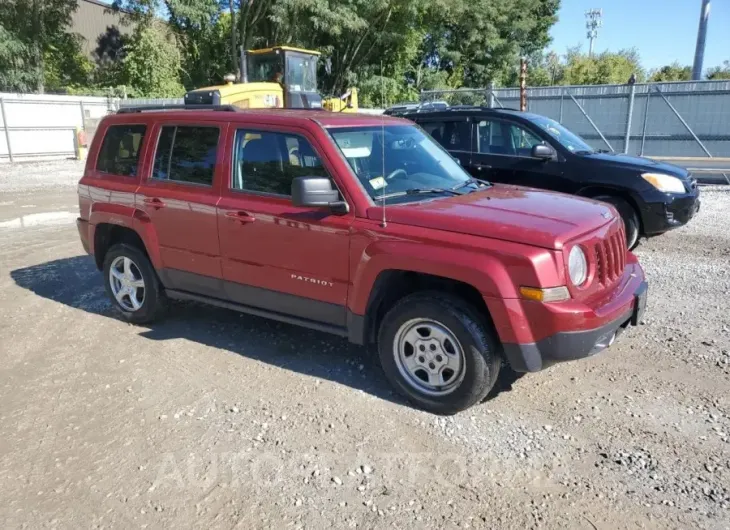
(567, 139)
(265, 68)
(301, 73)
(398, 158)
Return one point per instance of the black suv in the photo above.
(504, 145)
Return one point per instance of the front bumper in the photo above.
(673, 212)
(572, 345)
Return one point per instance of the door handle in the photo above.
(482, 166)
(154, 202)
(242, 217)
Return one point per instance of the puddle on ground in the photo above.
(40, 219)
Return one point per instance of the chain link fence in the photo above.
(682, 120)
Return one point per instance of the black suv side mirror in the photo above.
(542, 151)
(317, 192)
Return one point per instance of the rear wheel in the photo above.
(628, 216)
(437, 352)
(132, 284)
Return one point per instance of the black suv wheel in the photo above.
(629, 217)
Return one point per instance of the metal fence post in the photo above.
(83, 115)
(7, 131)
(629, 118)
(646, 119)
(560, 119)
(491, 95)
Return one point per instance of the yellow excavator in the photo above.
(281, 76)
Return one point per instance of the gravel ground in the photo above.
(213, 419)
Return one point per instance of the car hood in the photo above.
(511, 213)
(638, 163)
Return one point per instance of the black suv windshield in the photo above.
(394, 160)
(571, 141)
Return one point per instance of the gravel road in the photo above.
(211, 419)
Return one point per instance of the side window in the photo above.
(119, 153)
(452, 135)
(490, 138)
(267, 162)
(522, 140)
(186, 154)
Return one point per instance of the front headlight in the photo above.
(577, 266)
(665, 183)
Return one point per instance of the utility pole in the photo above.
(700, 48)
(234, 42)
(593, 22)
(523, 84)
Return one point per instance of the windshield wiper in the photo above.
(471, 181)
(417, 191)
(585, 152)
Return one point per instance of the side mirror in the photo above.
(542, 151)
(317, 192)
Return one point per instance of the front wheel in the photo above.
(437, 352)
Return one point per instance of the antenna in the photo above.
(593, 22)
(384, 222)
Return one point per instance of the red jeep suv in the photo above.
(361, 226)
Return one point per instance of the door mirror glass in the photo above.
(316, 192)
(542, 151)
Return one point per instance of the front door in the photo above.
(180, 196)
(276, 256)
(503, 154)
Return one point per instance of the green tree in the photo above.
(16, 73)
(484, 38)
(40, 26)
(671, 72)
(66, 65)
(543, 69)
(152, 63)
(418, 44)
(719, 72)
(602, 69)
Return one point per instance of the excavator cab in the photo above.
(292, 68)
(281, 76)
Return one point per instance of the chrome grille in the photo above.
(610, 257)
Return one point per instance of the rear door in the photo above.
(180, 195)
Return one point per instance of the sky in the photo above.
(663, 31)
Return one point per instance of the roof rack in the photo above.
(152, 108)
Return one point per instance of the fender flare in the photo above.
(483, 272)
(130, 218)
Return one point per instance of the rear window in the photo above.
(119, 153)
(453, 135)
(186, 154)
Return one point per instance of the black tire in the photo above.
(154, 302)
(480, 362)
(628, 216)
